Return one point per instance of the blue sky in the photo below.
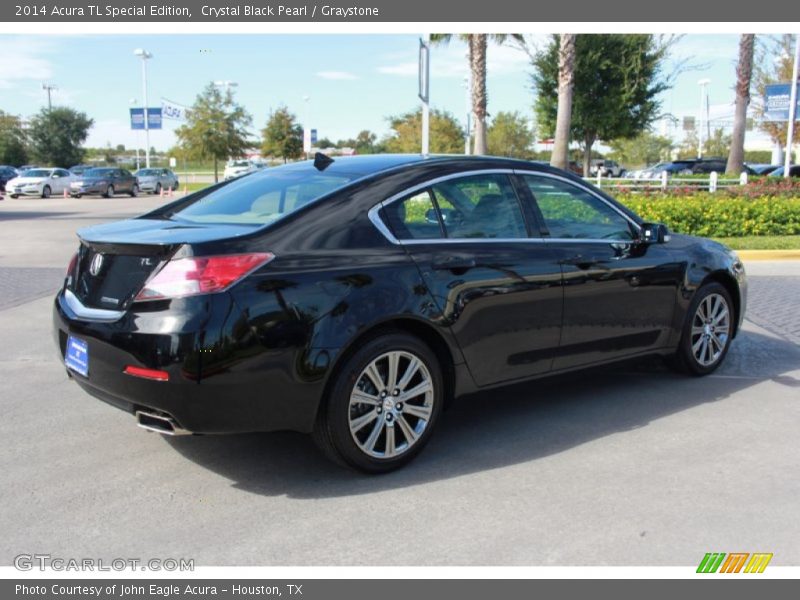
(353, 81)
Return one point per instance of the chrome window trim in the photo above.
(376, 220)
(78, 309)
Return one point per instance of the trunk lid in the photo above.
(116, 259)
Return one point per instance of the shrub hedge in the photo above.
(765, 207)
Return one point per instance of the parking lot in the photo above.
(630, 466)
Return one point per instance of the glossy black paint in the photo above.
(258, 357)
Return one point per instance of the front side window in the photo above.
(570, 212)
(480, 207)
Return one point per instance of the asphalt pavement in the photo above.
(628, 466)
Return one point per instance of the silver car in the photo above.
(156, 180)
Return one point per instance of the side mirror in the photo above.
(654, 233)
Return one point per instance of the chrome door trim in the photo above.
(379, 224)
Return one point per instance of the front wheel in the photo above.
(109, 192)
(134, 191)
(46, 191)
(383, 404)
(707, 331)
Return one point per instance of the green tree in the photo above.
(365, 142)
(688, 147)
(13, 150)
(447, 137)
(510, 135)
(216, 127)
(325, 143)
(617, 82)
(718, 145)
(57, 136)
(477, 46)
(282, 136)
(644, 149)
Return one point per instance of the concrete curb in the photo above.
(747, 255)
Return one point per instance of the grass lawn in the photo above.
(765, 242)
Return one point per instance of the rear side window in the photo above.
(480, 206)
(414, 217)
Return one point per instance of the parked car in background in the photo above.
(607, 168)
(155, 180)
(39, 182)
(105, 181)
(353, 298)
(80, 169)
(688, 166)
(6, 174)
(238, 167)
(24, 168)
(794, 171)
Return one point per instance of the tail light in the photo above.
(201, 275)
(72, 263)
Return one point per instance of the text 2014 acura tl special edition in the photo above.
(351, 298)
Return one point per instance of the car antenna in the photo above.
(322, 161)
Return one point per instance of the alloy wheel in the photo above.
(391, 404)
(711, 328)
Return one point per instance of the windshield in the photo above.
(37, 173)
(98, 172)
(238, 163)
(262, 199)
(147, 172)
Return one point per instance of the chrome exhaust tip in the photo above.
(159, 423)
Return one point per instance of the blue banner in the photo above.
(153, 118)
(777, 98)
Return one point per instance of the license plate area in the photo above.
(76, 357)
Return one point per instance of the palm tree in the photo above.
(477, 44)
(744, 73)
(566, 79)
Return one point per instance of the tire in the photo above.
(46, 191)
(358, 424)
(109, 192)
(709, 323)
(76, 195)
(134, 191)
(157, 191)
(13, 196)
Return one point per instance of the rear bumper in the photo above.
(210, 389)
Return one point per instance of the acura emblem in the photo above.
(96, 264)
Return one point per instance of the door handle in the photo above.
(582, 262)
(454, 263)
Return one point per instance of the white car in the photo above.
(39, 182)
(238, 167)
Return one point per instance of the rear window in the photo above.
(262, 199)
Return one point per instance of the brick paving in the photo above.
(774, 303)
(21, 285)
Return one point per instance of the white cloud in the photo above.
(337, 75)
(24, 60)
(451, 61)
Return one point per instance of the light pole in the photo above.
(424, 89)
(132, 102)
(703, 83)
(787, 159)
(307, 126)
(49, 88)
(145, 56)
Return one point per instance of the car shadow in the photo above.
(507, 426)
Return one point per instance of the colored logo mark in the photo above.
(735, 562)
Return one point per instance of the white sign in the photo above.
(173, 111)
(173, 162)
(309, 139)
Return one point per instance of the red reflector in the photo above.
(201, 275)
(153, 374)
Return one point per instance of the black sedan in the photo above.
(352, 299)
(104, 181)
(6, 175)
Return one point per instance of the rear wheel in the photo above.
(157, 191)
(707, 331)
(134, 191)
(46, 191)
(383, 405)
(109, 192)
